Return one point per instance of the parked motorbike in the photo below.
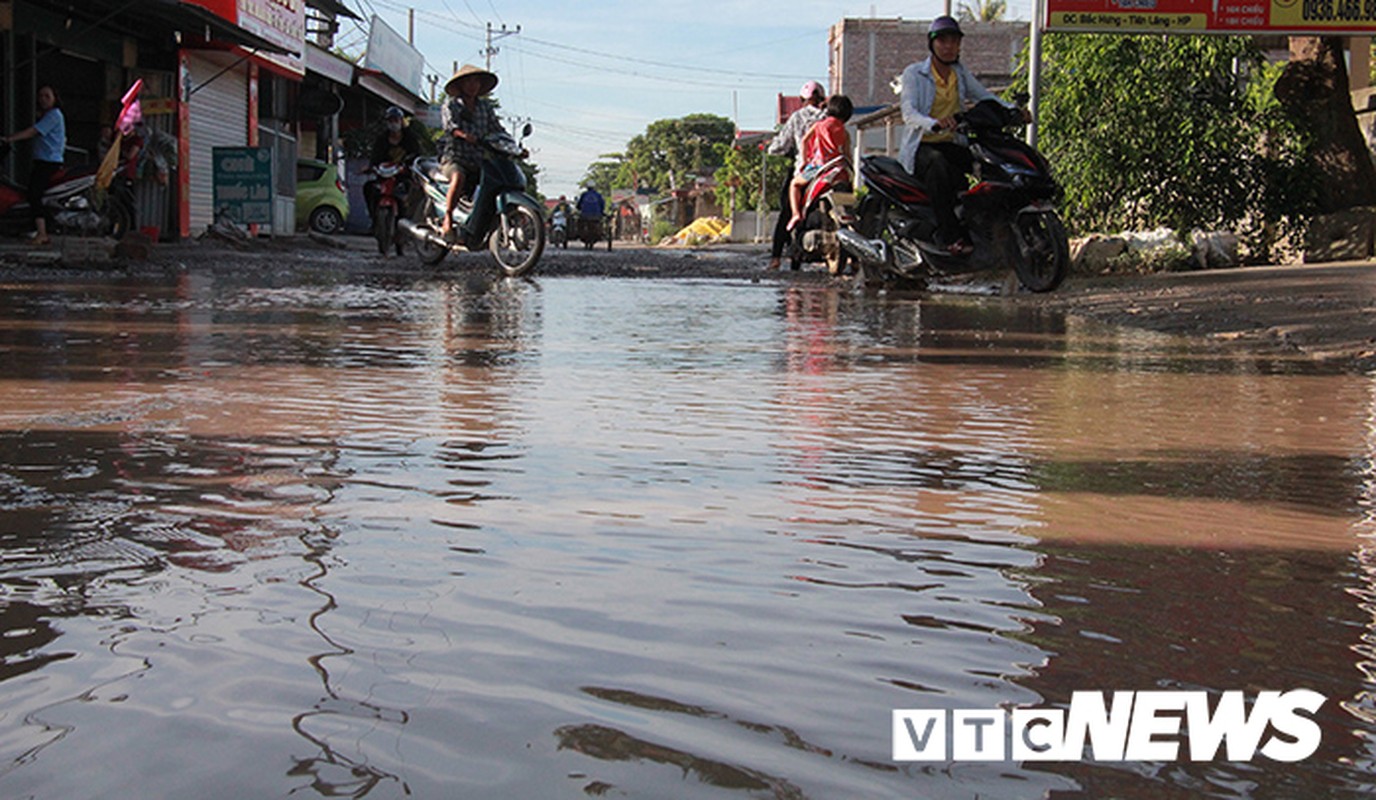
(828, 204)
(1010, 212)
(392, 186)
(76, 204)
(515, 234)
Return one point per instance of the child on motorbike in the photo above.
(825, 141)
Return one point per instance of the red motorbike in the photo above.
(392, 185)
(827, 211)
(73, 201)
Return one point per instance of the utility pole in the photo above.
(489, 51)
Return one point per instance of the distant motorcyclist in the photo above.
(592, 207)
(591, 203)
(396, 144)
(934, 91)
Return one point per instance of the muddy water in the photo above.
(314, 536)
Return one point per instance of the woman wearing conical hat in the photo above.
(469, 117)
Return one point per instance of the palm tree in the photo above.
(983, 11)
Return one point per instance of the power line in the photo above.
(650, 63)
(478, 32)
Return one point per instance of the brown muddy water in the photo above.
(448, 537)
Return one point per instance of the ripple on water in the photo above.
(439, 536)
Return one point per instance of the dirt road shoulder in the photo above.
(1327, 312)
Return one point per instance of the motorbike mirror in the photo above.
(526, 130)
(1021, 98)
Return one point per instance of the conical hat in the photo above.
(489, 80)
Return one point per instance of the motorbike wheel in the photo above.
(835, 256)
(518, 240)
(905, 267)
(384, 228)
(427, 251)
(1044, 257)
(121, 219)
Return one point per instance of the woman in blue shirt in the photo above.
(50, 130)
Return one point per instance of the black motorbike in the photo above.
(515, 232)
(1010, 212)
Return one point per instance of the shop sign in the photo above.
(1315, 17)
(243, 183)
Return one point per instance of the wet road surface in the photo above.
(432, 536)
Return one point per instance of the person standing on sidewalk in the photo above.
(50, 131)
(789, 142)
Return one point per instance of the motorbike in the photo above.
(828, 204)
(1010, 212)
(392, 184)
(592, 230)
(559, 230)
(76, 204)
(515, 233)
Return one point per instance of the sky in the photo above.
(590, 75)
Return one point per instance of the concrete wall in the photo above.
(743, 226)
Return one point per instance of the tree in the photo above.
(671, 150)
(983, 11)
(1178, 131)
(606, 173)
(1314, 91)
(740, 171)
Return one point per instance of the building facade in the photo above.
(215, 73)
(868, 55)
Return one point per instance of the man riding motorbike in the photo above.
(934, 90)
(397, 144)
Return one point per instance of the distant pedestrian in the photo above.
(50, 131)
(788, 142)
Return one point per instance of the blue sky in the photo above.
(590, 75)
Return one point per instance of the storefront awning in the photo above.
(379, 84)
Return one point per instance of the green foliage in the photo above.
(662, 228)
(741, 170)
(606, 174)
(983, 11)
(1180, 131)
(672, 151)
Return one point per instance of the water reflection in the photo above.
(449, 536)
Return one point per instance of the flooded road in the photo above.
(447, 537)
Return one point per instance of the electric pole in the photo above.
(489, 51)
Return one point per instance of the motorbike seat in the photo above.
(891, 168)
(430, 168)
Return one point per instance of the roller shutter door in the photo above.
(219, 118)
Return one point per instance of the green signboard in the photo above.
(243, 183)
